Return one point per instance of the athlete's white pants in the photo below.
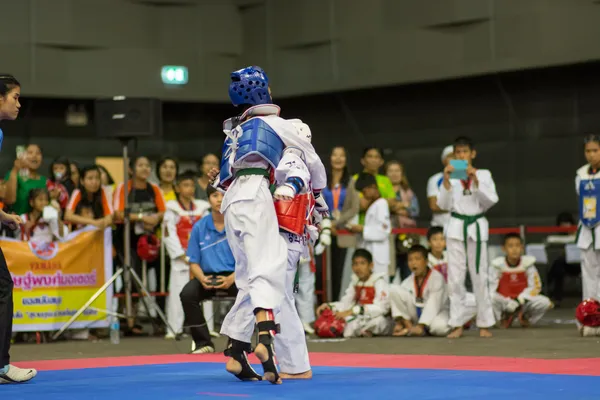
(305, 298)
(404, 306)
(378, 326)
(457, 272)
(534, 309)
(590, 273)
(290, 343)
(178, 278)
(260, 262)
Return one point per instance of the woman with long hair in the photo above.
(405, 211)
(343, 202)
(90, 195)
(167, 170)
(10, 92)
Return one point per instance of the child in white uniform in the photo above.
(587, 185)
(365, 305)
(438, 260)
(180, 217)
(375, 233)
(420, 303)
(516, 286)
(467, 235)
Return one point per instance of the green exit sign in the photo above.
(174, 75)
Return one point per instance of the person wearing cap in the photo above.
(440, 217)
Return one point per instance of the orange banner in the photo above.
(53, 280)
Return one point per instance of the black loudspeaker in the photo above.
(128, 118)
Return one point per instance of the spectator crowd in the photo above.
(400, 284)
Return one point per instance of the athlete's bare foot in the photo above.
(302, 375)
(262, 353)
(485, 333)
(456, 333)
(400, 330)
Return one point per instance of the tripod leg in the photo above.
(144, 292)
(88, 303)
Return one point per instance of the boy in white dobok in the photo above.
(375, 233)
(180, 217)
(365, 306)
(587, 185)
(517, 286)
(294, 206)
(438, 260)
(466, 238)
(420, 303)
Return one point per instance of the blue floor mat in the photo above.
(210, 381)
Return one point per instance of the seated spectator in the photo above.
(438, 260)
(560, 268)
(375, 232)
(213, 267)
(24, 177)
(420, 304)
(209, 161)
(365, 305)
(516, 286)
(405, 211)
(180, 217)
(90, 195)
(440, 217)
(43, 224)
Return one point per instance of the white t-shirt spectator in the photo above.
(433, 190)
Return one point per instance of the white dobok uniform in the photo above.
(376, 235)
(433, 190)
(260, 251)
(587, 185)
(373, 296)
(290, 343)
(518, 285)
(178, 228)
(425, 304)
(441, 266)
(42, 232)
(466, 241)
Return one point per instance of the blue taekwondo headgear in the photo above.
(249, 85)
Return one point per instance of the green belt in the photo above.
(592, 230)
(256, 171)
(469, 220)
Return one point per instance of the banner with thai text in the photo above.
(54, 280)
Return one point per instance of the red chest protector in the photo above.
(185, 225)
(512, 284)
(365, 294)
(293, 215)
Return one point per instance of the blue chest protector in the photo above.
(589, 199)
(252, 138)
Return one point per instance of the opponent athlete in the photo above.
(10, 91)
(252, 151)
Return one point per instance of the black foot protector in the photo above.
(238, 351)
(265, 351)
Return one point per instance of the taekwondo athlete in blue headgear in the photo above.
(254, 146)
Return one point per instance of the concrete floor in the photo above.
(555, 337)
